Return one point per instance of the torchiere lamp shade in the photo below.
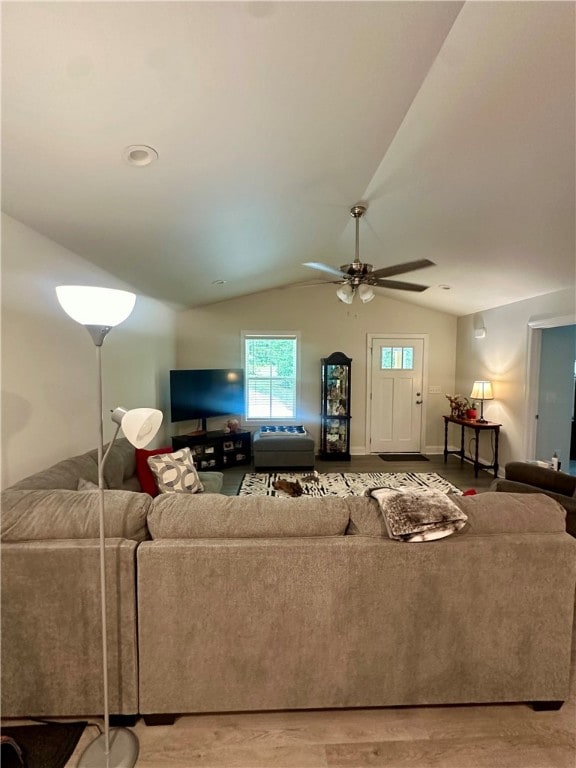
(89, 305)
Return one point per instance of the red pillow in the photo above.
(470, 492)
(144, 473)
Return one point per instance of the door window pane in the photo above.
(397, 358)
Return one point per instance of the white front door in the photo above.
(396, 387)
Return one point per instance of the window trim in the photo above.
(272, 335)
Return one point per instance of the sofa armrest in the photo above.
(541, 477)
(569, 503)
(51, 628)
(64, 514)
(212, 481)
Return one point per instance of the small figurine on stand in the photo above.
(232, 425)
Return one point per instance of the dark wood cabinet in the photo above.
(335, 415)
(217, 450)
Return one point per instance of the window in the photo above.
(397, 358)
(271, 374)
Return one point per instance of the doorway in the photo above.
(395, 397)
(551, 396)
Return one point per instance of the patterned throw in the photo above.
(418, 514)
(342, 483)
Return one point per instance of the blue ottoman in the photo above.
(282, 450)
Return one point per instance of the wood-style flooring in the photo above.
(460, 475)
(499, 736)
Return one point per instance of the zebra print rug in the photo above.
(342, 483)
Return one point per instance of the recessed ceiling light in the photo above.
(445, 287)
(219, 282)
(139, 154)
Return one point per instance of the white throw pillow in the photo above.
(87, 485)
(175, 472)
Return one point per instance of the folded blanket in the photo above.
(418, 515)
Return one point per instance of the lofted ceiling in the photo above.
(453, 122)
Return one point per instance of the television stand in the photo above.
(201, 431)
(216, 450)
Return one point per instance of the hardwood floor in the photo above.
(460, 475)
(499, 736)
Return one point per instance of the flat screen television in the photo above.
(206, 392)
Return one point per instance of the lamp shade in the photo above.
(139, 425)
(366, 293)
(482, 390)
(89, 305)
(345, 293)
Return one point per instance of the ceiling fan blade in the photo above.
(398, 285)
(324, 268)
(399, 269)
(312, 283)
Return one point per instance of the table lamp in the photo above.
(482, 390)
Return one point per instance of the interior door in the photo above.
(396, 387)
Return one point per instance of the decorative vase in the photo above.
(471, 414)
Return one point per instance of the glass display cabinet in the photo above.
(335, 415)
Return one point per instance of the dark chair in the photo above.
(524, 477)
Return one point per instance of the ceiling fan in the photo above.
(359, 277)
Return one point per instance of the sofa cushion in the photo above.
(180, 516)
(120, 464)
(64, 474)
(175, 472)
(488, 512)
(493, 512)
(87, 485)
(212, 481)
(65, 514)
(365, 517)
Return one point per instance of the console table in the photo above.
(477, 426)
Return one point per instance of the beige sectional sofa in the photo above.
(248, 603)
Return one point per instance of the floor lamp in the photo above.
(99, 310)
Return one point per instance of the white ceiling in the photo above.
(454, 122)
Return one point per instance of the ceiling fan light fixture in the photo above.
(366, 293)
(345, 293)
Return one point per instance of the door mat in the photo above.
(42, 746)
(403, 457)
(342, 483)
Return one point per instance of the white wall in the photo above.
(502, 357)
(49, 361)
(209, 337)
